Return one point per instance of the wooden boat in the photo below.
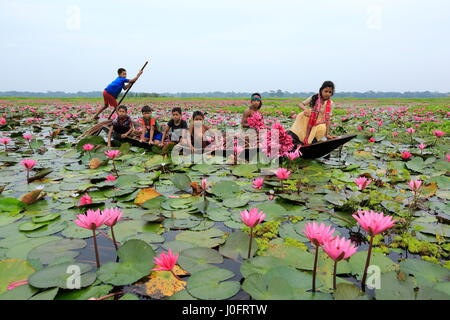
(312, 151)
(322, 148)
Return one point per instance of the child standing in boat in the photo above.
(113, 90)
(314, 122)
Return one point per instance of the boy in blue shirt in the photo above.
(113, 90)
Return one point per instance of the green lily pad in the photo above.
(237, 244)
(358, 261)
(260, 288)
(210, 284)
(346, 291)
(85, 293)
(209, 238)
(136, 261)
(181, 181)
(63, 276)
(48, 252)
(11, 205)
(426, 273)
(13, 270)
(391, 288)
(196, 259)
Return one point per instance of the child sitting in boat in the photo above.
(122, 126)
(175, 127)
(196, 134)
(314, 122)
(255, 105)
(149, 125)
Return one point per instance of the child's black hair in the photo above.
(176, 109)
(122, 107)
(120, 71)
(197, 113)
(258, 95)
(146, 109)
(326, 84)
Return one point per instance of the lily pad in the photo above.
(63, 276)
(210, 284)
(236, 245)
(48, 252)
(136, 261)
(196, 259)
(13, 270)
(209, 238)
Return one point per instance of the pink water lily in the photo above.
(258, 183)
(372, 140)
(2, 121)
(394, 134)
(165, 262)
(5, 141)
(410, 130)
(374, 223)
(204, 184)
(112, 216)
(28, 164)
(85, 199)
(27, 136)
(362, 182)
(112, 154)
(415, 185)
(406, 155)
(282, 173)
(438, 133)
(110, 178)
(88, 147)
(318, 235)
(92, 220)
(337, 249)
(252, 218)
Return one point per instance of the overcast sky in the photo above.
(226, 45)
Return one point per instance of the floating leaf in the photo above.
(196, 259)
(13, 270)
(181, 181)
(136, 261)
(209, 238)
(146, 194)
(236, 245)
(426, 273)
(164, 284)
(62, 276)
(11, 205)
(210, 284)
(48, 252)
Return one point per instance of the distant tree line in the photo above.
(232, 94)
